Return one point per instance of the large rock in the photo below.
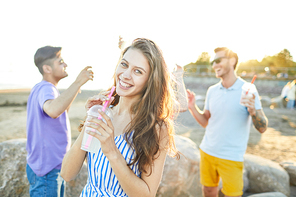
(290, 167)
(266, 176)
(181, 177)
(13, 181)
(269, 194)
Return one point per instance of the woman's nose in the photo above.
(126, 74)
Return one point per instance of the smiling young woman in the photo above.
(135, 143)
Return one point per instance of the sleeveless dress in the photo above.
(101, 178)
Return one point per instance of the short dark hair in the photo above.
(229, 53)
(45, 55)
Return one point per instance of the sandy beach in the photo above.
(276, 144)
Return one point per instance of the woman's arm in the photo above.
(146, 186)
(73, 160)
(154, 179)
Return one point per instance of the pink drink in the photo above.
(248, 89)
(90, 143)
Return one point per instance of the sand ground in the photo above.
(276, 144)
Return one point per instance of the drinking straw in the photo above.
(252, 82)
(107, 102)
(103, 109)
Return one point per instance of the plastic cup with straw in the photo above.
(107, 102)
(252, 82)
(90, 143)
(248, 89)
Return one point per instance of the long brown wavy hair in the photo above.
(155, 108)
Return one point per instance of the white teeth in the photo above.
(124, 84)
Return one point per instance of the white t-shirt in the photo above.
(228, 128)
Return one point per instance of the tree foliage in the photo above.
(201, 65)
(203, 59)
(281, 62)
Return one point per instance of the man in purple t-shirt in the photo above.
(48, 126)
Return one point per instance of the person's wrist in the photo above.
(79, 83)
(179, 72)
(113, 156)
(191, 107)
(252, 112)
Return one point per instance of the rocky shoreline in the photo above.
(277, 144)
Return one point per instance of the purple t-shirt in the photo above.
(48, 139)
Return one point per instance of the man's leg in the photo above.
(55, 184)
(51, 184)
(36, 183)
(222, 195)
(209, 176)
(210, 191)
(231, 173)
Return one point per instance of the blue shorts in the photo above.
(49, 185)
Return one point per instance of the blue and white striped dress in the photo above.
(101, 178)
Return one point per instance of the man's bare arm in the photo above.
(260, 121)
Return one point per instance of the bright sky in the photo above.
(88, 31)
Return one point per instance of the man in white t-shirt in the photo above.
(227, 124)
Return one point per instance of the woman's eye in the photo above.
(138, 71)
(123, 64)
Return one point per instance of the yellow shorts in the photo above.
(231, 173)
